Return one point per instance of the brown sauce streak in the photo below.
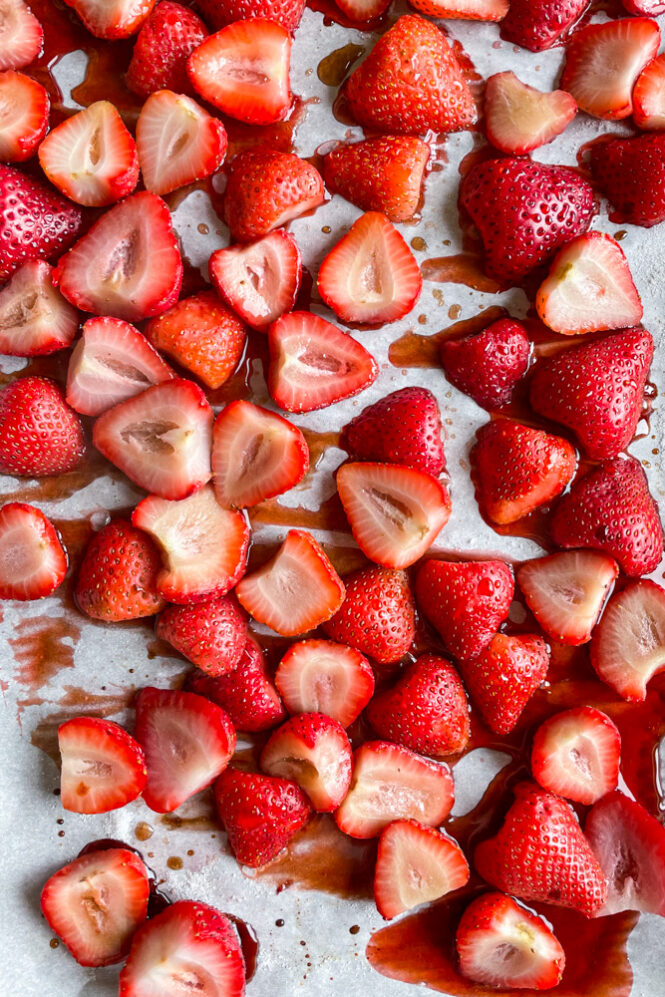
(40, 651)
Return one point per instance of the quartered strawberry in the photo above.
(415, 864)
(611, 509)
(21, 35)
(24, 116)
(403, 427)
(541, 854)
(159, 58)
(502, 944)
(96, 903)
(628, 645)
(649, 95)
(211, 634)
(102, 767)
(259, 281)
(296, 590)
(504, 676)
(35, 319)
(488, 365)
(631, 174)
(33, 562)
(466, 601)
(539, 24)
(576, 753)
(285, 12)
(319, 676)
(39, 434)
(256, 454)
(411, 83)
(112, 18)
(470, 10)
(127, 265)
(391, 783)
(187, 741)
(520, 118)
(314, 364)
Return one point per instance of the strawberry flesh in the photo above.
(520, 118)
(21, 35)
(35, 319)
(576, 754)
(24, 116)
(33, 562)
(628, 645)
(102, 767)
(320, 676)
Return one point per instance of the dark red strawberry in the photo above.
(628, 645)
(25, 116)
(159, 59)
(35, 319)
(21, 35)
(102, 767)
(539, 24)
(319, 676)
(503, 677)
(576, 754)
(39, 433)
(210, 634)
(33, 562)
(487, 366)
(520, 118)
(631, 174)
(285, 12)
(114, 19)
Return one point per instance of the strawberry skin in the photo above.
(285, 12)
(539, 24)
(210, 634)
(40, 434)
(25, 116)
(631, 174)
(504, 676)
(159, 58)
(33, 562)
(103, 768)
(487, 366)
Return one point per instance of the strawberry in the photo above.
(649, 95)
(96, 903)
(488, 365)
(33, 562)
(39, 434)
(160, 438)
(411, 83)
(285, 12)
(314, 364)
(202, 335)
(519, 469)
(391, 783)
(403, 427)
(243, 70)
(541, 854)
(566, 592)
(648, 7)
(260, 281)
(256, 454)
(362, 11)
(319, 676)
(536, 208)
(539, 24)
(103, 768)
(118, 575)
(466, 601)
(628, 645)
(370, 276)
(296, 590)
(611, 509)
(395, 512)
(35, 319)
(21, 35)
(24, 117)
(113, 18)
(576, 754)
(187, 741)
(426, 710)
(377, 616)
(266, 189)
(415, 864)
(260, 814)
(471, 10)
(159, 59)
(504, 676)
(520, 118)
(314, 751)
(379, 174)
(502, 944)
(204, 547)
(604, 420)
(631, 174)
(211, 634)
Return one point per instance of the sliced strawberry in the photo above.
(21, 35)
(520, 118)
(471, 10)
(488, 365)
(285, 12)
(319, 676)
(631, 174)
(160, 438)
(212, 634)
(112, 18)
(628, 645)
(103, 768)
(649, 95)
(96, 903)
(370, 276)
(576, 754)
(39, 434)
(33, 562)
(362, 10)
(314, 364)
(649, 7)
(35, 319)
(204, 547)
(296, 590)
(540, 24)
(159, 57)
(24, 114)
(256, 454)
(504, 676)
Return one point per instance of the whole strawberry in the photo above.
(631, 174)
(39, 433)
(210, 634)
(504, 676)
(487, 366)
(285, 12)
(159, 59)
(539, 24)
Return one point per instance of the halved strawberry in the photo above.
(313, 363)
(319, 676)
(244, 71)
(24, 114)
(296, 590)
(211, 634)
(112, 18)
(649, 95)
(35, 319)
(415, 864)
(630, 172)
(21, 35)
(102, 767)
(286, 12)
(159, 57)
(628, 645)
(541, 24)
(39, 434)
(520, 118)
(188, 741)
(160, 438)
(96, 903)
(33, 562)
(204, 547)
(504, 676)
(649, 7)
(362, 10)
(395, 512)
(576, 754)
(472, 10)
(370, 276)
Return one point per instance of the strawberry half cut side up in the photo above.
(102, 767)
(649, 95)
(112, 18)
(520, 118)
(320, 676)
(24, 118)
(21, 35)
(33, 562)
(628, 645)
(576, 754)
(35, 319)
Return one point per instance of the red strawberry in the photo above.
(113, 18)
(504, 676)
(159, 58)
(377, 616)
(25, 113)
(415, 864)
(39, 433)
(296, 590)
(393, 783)
(21, 35)
(314, 364)
(96, 903)
(379, 174)
(539, 24)
(33, 562)
(472, 10)
(411, 83)
(631, 174)
(103, 768)
(466, 601)
(541, 854)
(127, 265)
(362, 11)
(35, 319)
(266, 189)
(211, 634)
(502, 944)
(576, 754)
(520, 118)
(612, 510)
(403, 427)
(118, 575)
(319, 676)
(187, 741)
(261, 814)
(256, 454)
(285, 12)
(536, 208)
(648, 7)
(426, 710)
(488, 365)
(649, 95)
(628, 645)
